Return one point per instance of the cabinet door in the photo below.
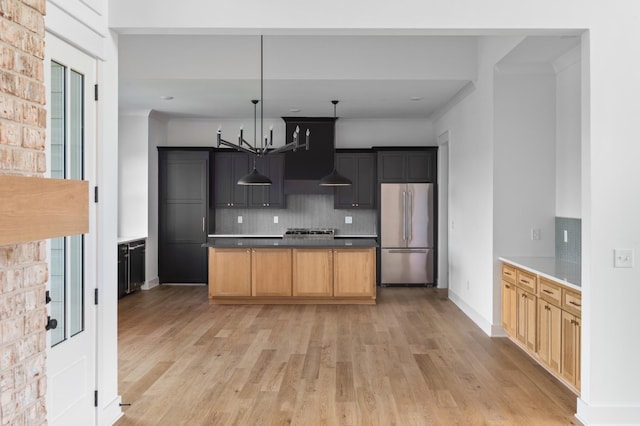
(312, 272)
(391, 166)
(183, 208)
(229, 167)
(354, 272)
(366, 178)
(420, 166)
(272, 195)
(345, 197)
(549, 334)
(271, 272)
(526, 320)
(229, 272)
(570, 368)
(509, 308)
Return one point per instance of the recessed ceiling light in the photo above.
(166, 98)
(416, 98)
(294, 110)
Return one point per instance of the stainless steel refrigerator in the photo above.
(407, 233)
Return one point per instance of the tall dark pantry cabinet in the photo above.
(183, 197)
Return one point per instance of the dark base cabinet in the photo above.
(131, 266)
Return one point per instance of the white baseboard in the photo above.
(150, 284)
(110, 413)
(472, 313)
(607, 415)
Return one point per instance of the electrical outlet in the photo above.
(622, 258)
(239, 219)
(535, 233)
(275, 219)
(348, 219)
(566, 236)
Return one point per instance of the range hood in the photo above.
(304, 168)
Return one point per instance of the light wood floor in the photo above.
(412, 359)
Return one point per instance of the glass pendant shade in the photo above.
(254, 178)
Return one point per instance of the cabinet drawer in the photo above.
(550, 292)
(572, 302)
(508, 273)
(527, 281)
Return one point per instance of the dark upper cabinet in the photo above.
(361, 169)
(407, 166)
(229, 167)
(269, 196)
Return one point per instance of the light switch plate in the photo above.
(239, 219)
(535, 233)
(348, 219)
(275, 219)
(623, 258)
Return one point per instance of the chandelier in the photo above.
(266, 143)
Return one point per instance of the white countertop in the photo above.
(566, 273)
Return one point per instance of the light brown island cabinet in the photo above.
(229, 272)
(271, 272)
(313, 272)
(354, 272)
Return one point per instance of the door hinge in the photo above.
(95, 194)
(95, 296)
(95, 92)
(95, 398)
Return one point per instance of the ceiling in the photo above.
(373, 77)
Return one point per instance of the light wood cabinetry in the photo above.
(509, 307)
(526, 319)
(570, 366)
(354, 272)
(229, 272)
(271, 272)
(543, 317)
(292, 275)
(313, 272)
(549, 334)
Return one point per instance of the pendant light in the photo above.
(255, 177)
(334, 178)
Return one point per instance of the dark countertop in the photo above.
(566, 273)
(292, 242)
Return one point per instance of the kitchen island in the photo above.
(292, 271)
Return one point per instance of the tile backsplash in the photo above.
(569, 249)
(303, 211)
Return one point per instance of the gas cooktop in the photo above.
(309, 233)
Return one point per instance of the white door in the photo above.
(71, 137)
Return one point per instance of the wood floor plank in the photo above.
(412, 359)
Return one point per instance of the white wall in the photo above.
(568, 135)
(350, 133)
(524, 167)
(470, 126)
(157, 137)
(133, 182)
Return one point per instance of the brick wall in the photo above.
(23, 267)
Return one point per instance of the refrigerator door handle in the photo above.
(410, 216)
(404, 215)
